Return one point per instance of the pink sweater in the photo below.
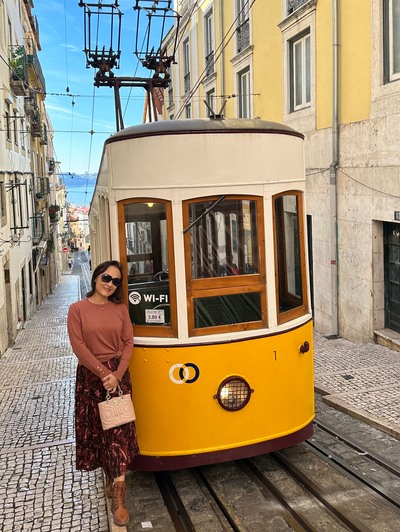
(98, 335)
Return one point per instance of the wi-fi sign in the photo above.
(135, 298)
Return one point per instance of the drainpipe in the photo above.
(221, 30)
(333, 168)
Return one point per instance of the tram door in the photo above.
(392, 276)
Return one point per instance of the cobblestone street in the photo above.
(39, 487)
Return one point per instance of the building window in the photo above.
(186, 65)
(210, 99)
(300, 69)
(16, 121)
(188, 111)
(243, 25)
(3, 210)
(8, 121)
(209, 43)
(22, 122)
(244, 93)
(391, 40)
(170, 95)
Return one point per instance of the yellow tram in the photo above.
(207, 218)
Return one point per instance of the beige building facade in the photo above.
(32, 196)
(332, 71)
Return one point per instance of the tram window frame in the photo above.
(198, 288)
(300, 305)
(169, 330)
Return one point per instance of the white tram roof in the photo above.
(202, 125)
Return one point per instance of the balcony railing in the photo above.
(295, 4)
(170, 95)
(18, 70)
(42, 187)
(31, 106)
(187, 82)
(34, 63)
(210, 64)
(36, 125)
(38, 227)
(243, 36)
(43, 138)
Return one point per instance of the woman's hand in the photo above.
(110, 383)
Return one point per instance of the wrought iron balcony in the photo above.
(42, 187)
(295, 4)
(34, 63)
(210, 64)
(187, 82)
(243, 36)
(38, 228)
(43, 138)
(18, 70)
(31, 106)
(51, 165)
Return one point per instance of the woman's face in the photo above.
(104, 282)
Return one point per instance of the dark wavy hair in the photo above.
(117, 296)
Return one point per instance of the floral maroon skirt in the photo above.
(113, 449)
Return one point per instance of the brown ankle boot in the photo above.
(108, 489)
(118, 508)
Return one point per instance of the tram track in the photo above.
(309, 487)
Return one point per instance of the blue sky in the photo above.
(61, 31)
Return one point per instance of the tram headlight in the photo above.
(233, 393)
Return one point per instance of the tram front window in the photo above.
(223, 238)
(147, 263)
(225, 273)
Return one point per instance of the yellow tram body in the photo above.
(186, 418)
(207, 218)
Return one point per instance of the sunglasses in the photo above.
(116, 281)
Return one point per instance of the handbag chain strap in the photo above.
(120, 394)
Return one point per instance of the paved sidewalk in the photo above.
(361, 380)
(39, 487)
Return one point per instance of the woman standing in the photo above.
(100, 332)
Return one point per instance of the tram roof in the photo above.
(202, 125)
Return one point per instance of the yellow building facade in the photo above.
(332, 71)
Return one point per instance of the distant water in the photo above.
(80, 195)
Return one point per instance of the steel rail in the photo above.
(174, 504)
(364, 451)
(342, 465)
(294, 519)
(337, 509)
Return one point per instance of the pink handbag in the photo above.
(116, 411)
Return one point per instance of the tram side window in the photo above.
(147, 263)
(289, 252)
(224, 270)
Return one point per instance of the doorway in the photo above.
(392, 275)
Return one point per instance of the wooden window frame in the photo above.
(303, 308)
(228, 285)
(164, 331)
